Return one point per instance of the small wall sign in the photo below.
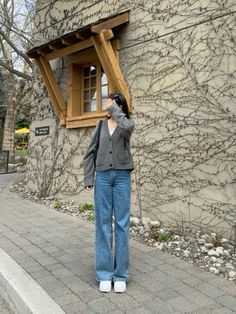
(42, 130)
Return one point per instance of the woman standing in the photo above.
(110, 146)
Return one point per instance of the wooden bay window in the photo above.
(91, 56)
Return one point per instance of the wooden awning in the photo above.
(97, 35)
(57, 47)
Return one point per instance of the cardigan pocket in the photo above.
(100, 159)
(124, 157)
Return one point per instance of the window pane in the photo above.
(103, 79)
(93, 105)
(93, 94)
(93, 81)
(87, 106)
(86, 95)
(104, 91)
(90, 106)
(104, 103)
(91, 70)
(86, 83)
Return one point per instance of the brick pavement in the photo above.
(57, 250)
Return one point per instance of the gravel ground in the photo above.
(210, 251)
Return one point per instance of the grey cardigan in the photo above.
(114, 150)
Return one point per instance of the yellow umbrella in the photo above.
(22, 131)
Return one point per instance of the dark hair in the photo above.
(121, 101)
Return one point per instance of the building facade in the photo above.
(175, 60)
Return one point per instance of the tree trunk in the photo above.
(9, 128)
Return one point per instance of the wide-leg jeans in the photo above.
(112, 192)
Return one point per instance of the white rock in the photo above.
(209, 245)
(201, 241)
(204, 249)
(160, 246)
(213, 253)
(155, 223)
(213, 235)
(146, 220)
(146, 226)
(224, 240)
(186, 253)
(214, 259)
(217, 264)
(229, 266)
(232, 274)
(134, 221)
(156, 244)
(176, 237)
(226, 252)
(220, 260)
(176, 242)
(212, 269)
(220, 250)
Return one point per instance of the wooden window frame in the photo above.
(75, 116)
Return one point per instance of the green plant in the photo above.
(91, 216)
(57, 204)
(166, 236)
(84, 207)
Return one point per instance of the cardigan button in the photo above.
(110, 152)
(110, 165)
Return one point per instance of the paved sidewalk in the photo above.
(57, 250)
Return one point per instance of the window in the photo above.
(88, 88)
(94, 87)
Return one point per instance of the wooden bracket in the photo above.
(52, 88)
(110, 65)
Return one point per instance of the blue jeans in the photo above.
(112, 192)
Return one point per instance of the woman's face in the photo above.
(111, 102)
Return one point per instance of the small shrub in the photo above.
(165, 237)
(84, 207)
(57, 204)
(91, 216)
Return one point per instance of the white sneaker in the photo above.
(119, 286)
(105, 285)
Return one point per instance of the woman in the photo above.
(111, 173)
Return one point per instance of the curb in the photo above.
(25, 293)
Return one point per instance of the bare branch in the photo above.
(16, 72)
(16, 49)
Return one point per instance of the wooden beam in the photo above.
(112, 22)
(114, 74)
(69, 41)
(48, 87)
(75, 47)
(68, 50)
(107, 66)
(53, 83)
(84, 121)
(79, 36)
(73, 91)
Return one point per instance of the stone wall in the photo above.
(178, 59)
